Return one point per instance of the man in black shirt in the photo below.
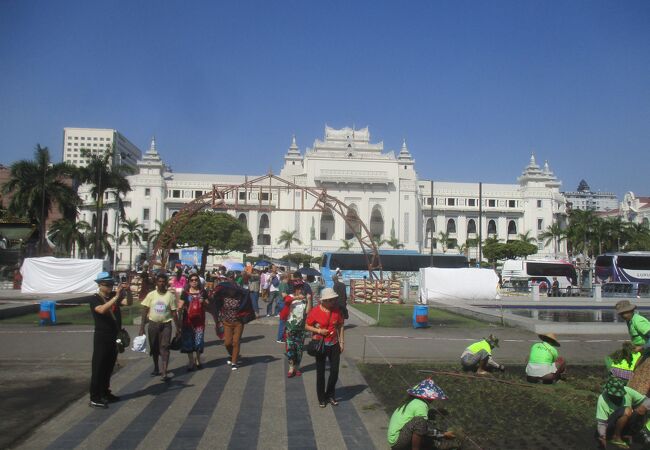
(105, 308)
(342, 301)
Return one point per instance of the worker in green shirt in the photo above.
(412, 424)
(620, 411)
(637, 325)
(478, 357)
(621, 363)
(544, 362)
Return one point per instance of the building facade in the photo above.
(381, 186)
(633, 208)
(585, 199)
(98, 141)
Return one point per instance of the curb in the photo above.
(365, 318)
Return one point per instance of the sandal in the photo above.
(291, 374)
(298, 373)
(619, 443)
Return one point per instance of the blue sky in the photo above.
(474, 87)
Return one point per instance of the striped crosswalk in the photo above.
(256, 406)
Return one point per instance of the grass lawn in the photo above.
(77, 315)
(401, 316)
(501, 416)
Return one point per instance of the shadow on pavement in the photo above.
(349, 392)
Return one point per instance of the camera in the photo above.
(123, 278)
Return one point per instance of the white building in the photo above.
(586, 199)
(632, 209)
(98, 141)
(382, 187)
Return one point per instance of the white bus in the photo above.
(540, 271)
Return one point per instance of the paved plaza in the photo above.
(254, 407)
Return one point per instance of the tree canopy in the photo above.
(216, 234)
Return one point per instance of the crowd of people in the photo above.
(174, 308)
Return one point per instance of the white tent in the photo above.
(457, 284)
(49, 275)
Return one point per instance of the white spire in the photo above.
(152, 147)
(547, 169)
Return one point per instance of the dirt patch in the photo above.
(504, 412)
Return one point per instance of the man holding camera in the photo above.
(105, 308)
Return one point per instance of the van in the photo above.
(624, 289)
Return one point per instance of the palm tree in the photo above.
(133, 233)
(287, 238)
(104, 243)
(346, 244)
(69, 235)
(393, 242)
(102, 175)
(554, 234)
(580, 232)
(526, 237)
(36, 185)
(443, 238)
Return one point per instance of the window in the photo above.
(145, 214)
(471, 202)
(265, 195)
(429, 201)
(540, 224)
(471, 226)
(539, 203)
(451, 226)
(242, 195)
(492, 203)
(512, 227)
(176, 193)
(83, 138)
(512, 203)
(147, 192)
(197, 194)
(451, 202)
(76, 138)
(94, 139)
(540, 244)
(492, 227)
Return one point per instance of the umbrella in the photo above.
(235, 266)
(262, 263)
(309, 271)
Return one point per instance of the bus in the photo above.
(540, 271)
(623, 267)
(355, 265)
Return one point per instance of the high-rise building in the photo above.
(586, 199)
(98, 141)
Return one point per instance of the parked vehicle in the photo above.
(620, 289)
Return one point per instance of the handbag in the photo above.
(316, 347)
(175, 344)
(123, 340)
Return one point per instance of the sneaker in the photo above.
(280, 342)
(234, 367)
(110, 398)
(619, 443)
(98, 404)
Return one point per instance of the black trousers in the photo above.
(104, 357)
(333, 353)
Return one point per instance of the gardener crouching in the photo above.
(412, 425)
(620, 413)
(544, 362)
(478, 357)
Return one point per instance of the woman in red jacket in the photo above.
(326, 322)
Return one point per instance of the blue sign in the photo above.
(191, 257)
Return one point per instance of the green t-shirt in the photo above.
(480, 345)
(639, 327)
(604, 407)
(283, 288)
(401, 416)
(542, 353)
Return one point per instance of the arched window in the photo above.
(492, 227)
(512, 227)
(376, 223)
(105, 223)
(264, 233)
(471, 226)
(451, 226)
(430, 229)
(353, 215)
(327, 225)
(243, 219)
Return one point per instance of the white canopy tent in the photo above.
(457, 284)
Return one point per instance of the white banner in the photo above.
(457, 284)
(49, 275)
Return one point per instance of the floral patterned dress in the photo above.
(193, 328)
(295, 330)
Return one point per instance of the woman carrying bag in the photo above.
(326, 322)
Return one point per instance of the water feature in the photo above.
(572, 314)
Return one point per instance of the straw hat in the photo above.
(551, 338)
(427, 390)
(624, 306)
(328, 293)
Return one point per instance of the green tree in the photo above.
(519, 249)
(36, 185)
(299, 259)
(638, 237)
(580, 232)
(444, 239)
(554, 234)
(103, 176)
(69, 234)
(346, 244)
(393, 242)
(287, 238)
(526, 237)
(215, 234)
(104, 242)
(133, 232)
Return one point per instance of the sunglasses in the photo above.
(194, 279)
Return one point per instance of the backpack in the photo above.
(275, 281)
(195, 310)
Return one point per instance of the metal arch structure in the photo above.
(268, 190)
